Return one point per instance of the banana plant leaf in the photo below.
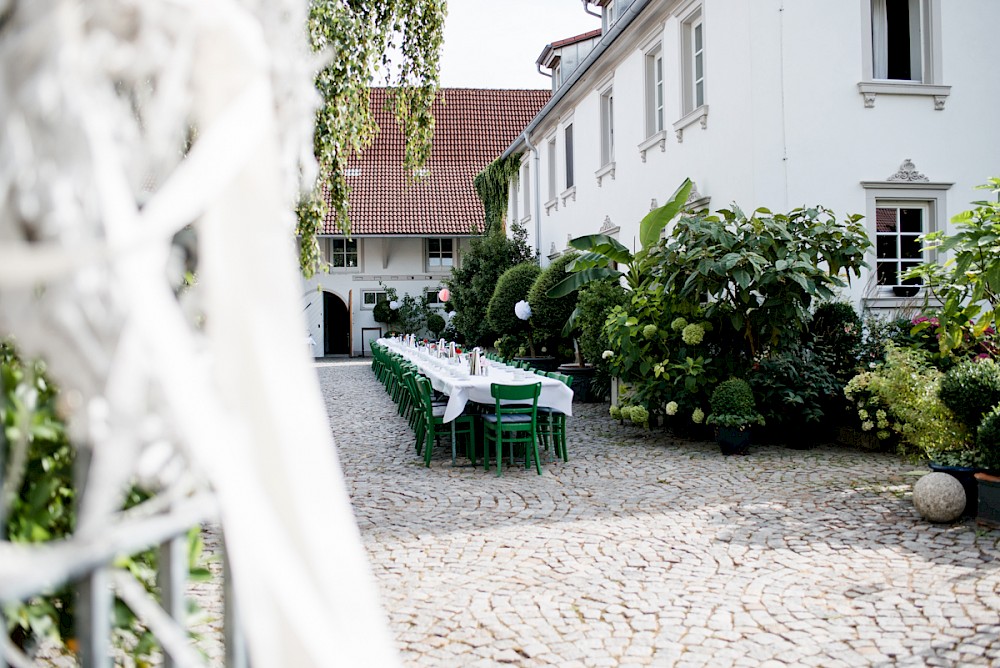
(654, 222)
(578, 279)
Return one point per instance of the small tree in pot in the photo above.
(734, 411)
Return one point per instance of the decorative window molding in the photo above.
(568, 194)
(660, 138)
(869, 90)
(696, 202)
(551, 204)
(699, 115)
(553, 253)
(609, 228)
(908, 172)
(913, 196)
(606, 170)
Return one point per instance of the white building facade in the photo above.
(880, 107)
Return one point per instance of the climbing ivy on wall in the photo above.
(493, 187)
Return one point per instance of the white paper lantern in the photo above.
(394, 305)
(522, 310)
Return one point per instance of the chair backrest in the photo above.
(423, 391)
(565, 379)
(519, 393)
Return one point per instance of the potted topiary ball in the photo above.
(988, 442)
(734, 411)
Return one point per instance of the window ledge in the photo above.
(657, 138)
(551, 204)
(887, 300)
(870, 89)
(606, 170)
(698, 115)
(568, 194)
(526, 219)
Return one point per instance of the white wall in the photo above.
(405, 271)
(786, 125)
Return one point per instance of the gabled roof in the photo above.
(472, 129)
(543, 56)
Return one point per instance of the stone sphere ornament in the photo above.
(939, 497)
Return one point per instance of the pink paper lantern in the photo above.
(444, 294)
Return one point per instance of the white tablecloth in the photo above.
(454, 380)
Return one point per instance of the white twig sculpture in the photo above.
(99, 101)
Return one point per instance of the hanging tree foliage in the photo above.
(493, 187)
(356, 37)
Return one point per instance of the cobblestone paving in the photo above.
(644, 550)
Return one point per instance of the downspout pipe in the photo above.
(586, 8)
(535, 166)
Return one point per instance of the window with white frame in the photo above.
(440, 254)
(371, 297)
(340, 253)
(694, 62)
(607, 126)
(898, 226)
(902, 56)
(515, 196)
(551, 158)
(654, 91)
(526, 189)
(899, 210)
(568, 135)
(432, 298)
(900, 43)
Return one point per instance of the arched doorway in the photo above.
(336, 326)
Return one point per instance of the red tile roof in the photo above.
(575, 39)
(472, 129)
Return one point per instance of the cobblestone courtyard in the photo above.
(642, 550)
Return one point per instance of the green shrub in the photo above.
(435, 324)
(877, 334)
(795, 386)
(906, 387)
(512, 287)
(988, 440)
(836, 330)
(549, 314)
(733, 405)
(594, 303)
(970, 389)
(472, 284)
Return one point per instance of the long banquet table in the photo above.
(452, 378)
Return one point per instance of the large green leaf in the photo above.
(654, 222)
(604, 245)
(578, 279)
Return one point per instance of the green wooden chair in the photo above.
(512, 424)
(552, 423)
(432, 425)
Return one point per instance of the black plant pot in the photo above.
(905, 290)
(582, 375)
(988, 508)
(733, 441)
(967, 476)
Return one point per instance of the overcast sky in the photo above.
(494, 43)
